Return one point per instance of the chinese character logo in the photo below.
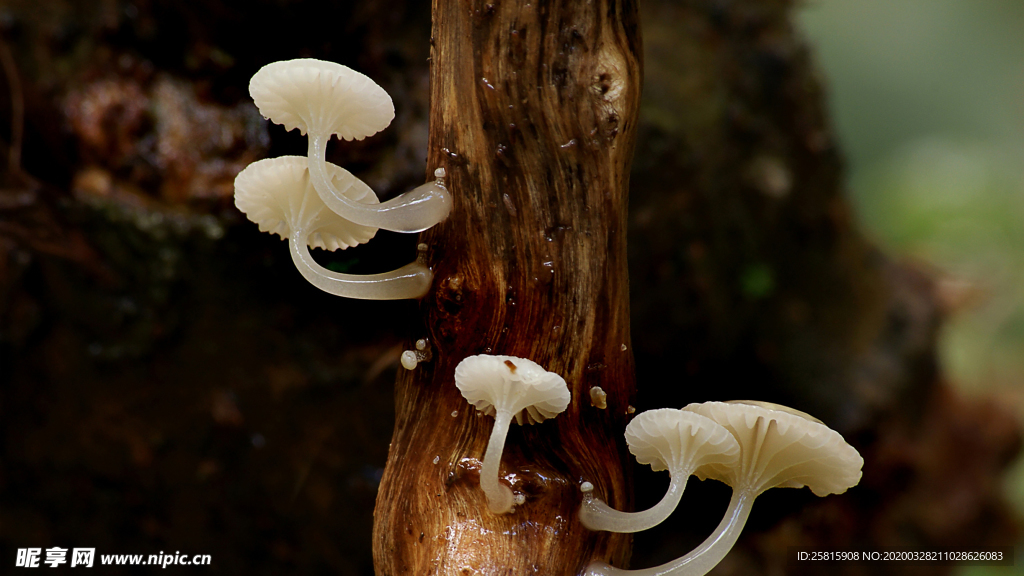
(82, 557)
(28, 557)
(56, 556)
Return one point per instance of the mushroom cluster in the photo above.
(311, 202)
(752, 446)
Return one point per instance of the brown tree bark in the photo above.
(533, 115)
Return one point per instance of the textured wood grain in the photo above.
(533, 116)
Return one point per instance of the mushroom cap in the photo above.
(277, 195)
(779, 407)
(318, 96)
(674, 440)
(514, 385)
(781, 447)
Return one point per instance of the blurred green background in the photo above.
(927, 97)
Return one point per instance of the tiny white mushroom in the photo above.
(325, 99)
(409, 360)
(507, 388)
(675, 440)
(779, 447)
(276, 194)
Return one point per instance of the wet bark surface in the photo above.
(168, 381)
(533, 117)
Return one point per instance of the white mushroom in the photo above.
(675, 440)
(779, 447)
(325, 99)
(409, 360)
(276, 194)
(507, 387)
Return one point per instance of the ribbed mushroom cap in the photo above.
(515, 385)
(670, 439)
(778, 407)
(318, 96)
(276, 194)
(780, 448)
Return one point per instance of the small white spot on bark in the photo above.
(508, 204)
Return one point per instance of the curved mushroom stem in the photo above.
(704, 557)
(409, 281)
(499, 496)
(596, 515)
(414, 211)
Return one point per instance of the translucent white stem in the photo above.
(409, 281)
(703, 558)
(597, 515)
(499, 496)
(414, 211)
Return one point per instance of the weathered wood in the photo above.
(533, 116)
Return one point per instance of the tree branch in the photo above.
(533, 115)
